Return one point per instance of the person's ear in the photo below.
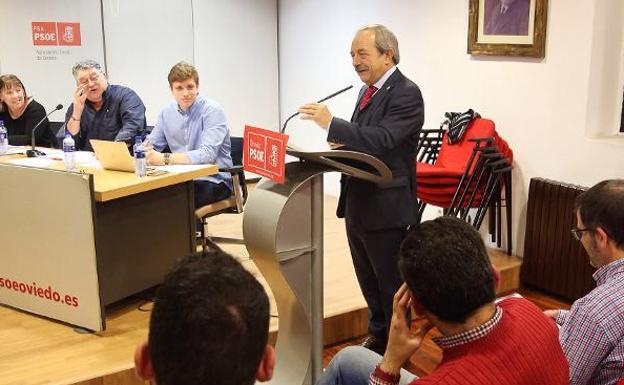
(389, 55)
(601, 237)
(143, 362)
(418, 308)
(497, 276)
(267, 364)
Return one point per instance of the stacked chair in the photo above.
(472, 173)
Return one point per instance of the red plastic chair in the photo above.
(471, 173)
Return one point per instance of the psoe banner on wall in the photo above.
(265, 153)
(54, 34)
(40, 41)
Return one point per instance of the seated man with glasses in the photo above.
(101, 110)
(592, 331)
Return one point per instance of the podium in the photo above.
(283, 232)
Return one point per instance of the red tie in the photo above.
(368, 94)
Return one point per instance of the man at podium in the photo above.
(386, 123)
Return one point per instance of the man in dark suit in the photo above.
(386, 124)
(506, 17)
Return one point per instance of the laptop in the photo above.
(113, 155)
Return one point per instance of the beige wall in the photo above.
(551, 111)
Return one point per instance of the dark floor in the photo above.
(429, 355)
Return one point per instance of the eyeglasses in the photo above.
(93, 77)
(578, 233)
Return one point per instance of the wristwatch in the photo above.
(167, 158)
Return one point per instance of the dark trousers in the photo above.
(375, 256)
(208, 192)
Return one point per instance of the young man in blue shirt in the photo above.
(195, 131)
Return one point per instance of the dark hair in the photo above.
(445, 264)
(9, 81)
(603, 206)
(210, 323)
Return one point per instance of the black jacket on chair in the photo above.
(387, 128)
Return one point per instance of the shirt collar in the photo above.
(379, 83)
(607, 271)
(192, 108)
(471, 335)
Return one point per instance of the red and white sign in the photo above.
(265, 153)
(53, 33)
(44, 33)
(68, 33)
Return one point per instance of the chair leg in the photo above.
(498, 203)
(492, 219)
(420, 210)
(508, 206)
(203, 235)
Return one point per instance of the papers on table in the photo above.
(82, 158)
(14, 150)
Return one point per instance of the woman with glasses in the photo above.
(20, 113)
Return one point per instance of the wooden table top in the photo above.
(109, 185)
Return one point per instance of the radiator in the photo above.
(554, 262)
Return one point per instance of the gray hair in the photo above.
(384, 40)
(86, 65)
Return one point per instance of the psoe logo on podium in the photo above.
(265, 153)
(56, 33)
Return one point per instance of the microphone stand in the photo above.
(320, 101)
(33, 152)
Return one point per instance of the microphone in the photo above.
(320, 101)
(63, 129)
(32, 153)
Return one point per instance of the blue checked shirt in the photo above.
(121, 118)
(201, 132)
(592, 331)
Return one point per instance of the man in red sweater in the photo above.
(449, 282)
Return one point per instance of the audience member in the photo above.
(450, 283)
(195, 130)
(101, 110)
(20, 113)
(592, 331)
(209, 325)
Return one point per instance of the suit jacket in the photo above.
(387, 128)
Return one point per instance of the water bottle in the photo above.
(4, 138)
(140, 163)
(69, 152)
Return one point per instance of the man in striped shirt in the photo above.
(592, 332)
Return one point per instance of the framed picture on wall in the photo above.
(507, 27)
